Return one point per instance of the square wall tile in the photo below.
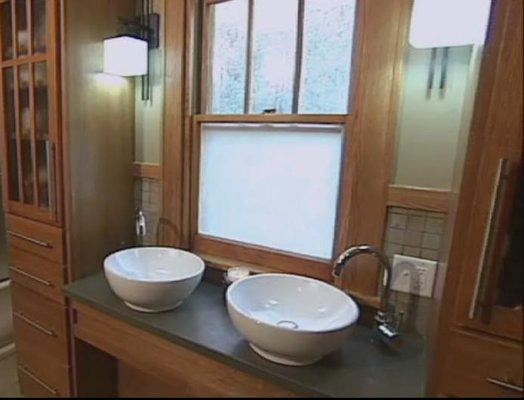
(431, 241)
(416, 223)
(397, 221)
(413, 238)
(395, 236)
(434, 225)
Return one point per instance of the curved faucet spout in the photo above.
(383, 317)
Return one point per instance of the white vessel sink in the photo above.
(289, 319)
(153, 279)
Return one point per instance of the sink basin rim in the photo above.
(112, 258)
(341, 327)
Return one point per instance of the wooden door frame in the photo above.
(379, 61)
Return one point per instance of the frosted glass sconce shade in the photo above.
(448, 23)
(125, 56)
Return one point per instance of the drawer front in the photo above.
(38, 274)
(39, 312)
(481, 366)
(37, 238)
(33, 386)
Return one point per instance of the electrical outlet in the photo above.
(413, 275)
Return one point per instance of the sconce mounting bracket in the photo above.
(145, 27)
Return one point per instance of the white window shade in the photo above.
(271, 185)
(448, 23)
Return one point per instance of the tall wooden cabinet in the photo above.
(67, 153)
(479, 348)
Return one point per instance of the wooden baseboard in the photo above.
(419, 198)
(146, 170)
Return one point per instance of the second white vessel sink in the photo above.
(153, 279)
(289, 319)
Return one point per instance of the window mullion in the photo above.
(298, 56)
(249, 56)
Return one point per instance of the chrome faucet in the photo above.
(140, 223)
(384, 318)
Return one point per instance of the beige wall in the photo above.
(149, 115)
(429, 128)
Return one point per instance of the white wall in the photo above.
(429, 128)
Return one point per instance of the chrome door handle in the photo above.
(34, 324)
(30, 239)
(38, 380)
(505, 385)
(31, 276)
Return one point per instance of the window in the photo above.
(288, 189)
(270, 142)
(290, 56)
(274, 186)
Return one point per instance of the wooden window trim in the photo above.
(419, 198)
(380, 37)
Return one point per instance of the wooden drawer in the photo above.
(41, 239)
(42, 341)
(33, 386)
(36, 310)
(482, 367)
(38, 274)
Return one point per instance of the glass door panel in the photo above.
(10, 127)
(39, 25)
(508, 258)
(43, 144)
(26, 143)
(22, 34)
(7, 30)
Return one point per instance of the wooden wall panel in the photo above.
(98, 136)
(381, 37)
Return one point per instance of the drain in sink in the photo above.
(287, 324)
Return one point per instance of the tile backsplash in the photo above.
(414, 233)
(148, 199)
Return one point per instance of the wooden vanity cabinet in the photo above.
(479, 348)
(67, 156)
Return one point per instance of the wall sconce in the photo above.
(127, 54)
(448, 23)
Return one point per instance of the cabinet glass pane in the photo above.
(39, 25)
(10, 126)
(41, 96)
(271, 185)
(22, 34)
(326, 56)
(25, 134)
(43, 153)
(7, 30)
(510, 282)
(274, 54)
(228, 57)
(43, 145)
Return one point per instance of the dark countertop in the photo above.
(364, 367)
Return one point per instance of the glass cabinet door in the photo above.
(29, 106)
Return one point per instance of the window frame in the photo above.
(368, 153)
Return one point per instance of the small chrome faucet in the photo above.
(140, 223)
(385, 320)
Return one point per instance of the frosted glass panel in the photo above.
(326, 64)
(274, 49)
(271, 185)
(228, 59)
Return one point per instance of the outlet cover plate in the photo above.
(413, 275)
